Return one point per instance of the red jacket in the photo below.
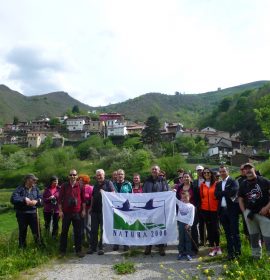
(68, 194)
(208, 198)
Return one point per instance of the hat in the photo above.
(30, 176)
(248, 164)
(199, 167)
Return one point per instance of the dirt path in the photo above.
(101, 267)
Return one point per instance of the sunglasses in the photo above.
(206, 172)
(73, 175)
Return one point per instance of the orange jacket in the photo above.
(208, 198)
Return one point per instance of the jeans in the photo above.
(184, 246)
(75, 219)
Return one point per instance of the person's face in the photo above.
(250, 172)
(54, 183)
(136, 179)
(73, 175)
(199, 172)
(185, 198)
(242, 170)
(100, 176)
(155, 171)
(180, 177)
(223, 173)
(207, 174)
(120, 176)
(30, 182)
(114, 176)
(186, 179)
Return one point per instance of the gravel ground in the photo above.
(101, 267)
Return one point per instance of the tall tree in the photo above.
(263, 115)
(151, 133)
(75, 109)
(15, 120)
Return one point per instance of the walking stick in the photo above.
(38, 226)
(194, 243)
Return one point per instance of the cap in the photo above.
(30, 176)
(248, 164)
(199, 167)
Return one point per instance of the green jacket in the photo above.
(124, 187)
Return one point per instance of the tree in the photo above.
(151, 133)
(75, 109)
(263, 115)
(54, 121)
(15, 120)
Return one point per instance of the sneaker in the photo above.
(100, 252)
(180, 257)
(212, 252)
(218, 251)
(162, 251)
(189, 258)
(80, 254)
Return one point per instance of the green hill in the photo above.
(188, 109)
(119, 223)
(13, 103)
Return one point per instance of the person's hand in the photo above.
(52, 197)
(264, 211)
(28, 201)
(187, 227)
(34, 202)
(61, 214)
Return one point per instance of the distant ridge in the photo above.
(185, 108)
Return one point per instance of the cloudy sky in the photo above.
(106, 51)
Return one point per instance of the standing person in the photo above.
(196, 184)
(254, 202)
(209, 213)
(154, 183)
(51, 210)
(194, 198)
(114, 176)
(121, 186)
(228, 210)
(87, 189)
(137, 185)
(26, 198)
(96, 211)
(71, 208)
(185, 217)
(240, 179)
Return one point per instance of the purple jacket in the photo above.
(51, 205)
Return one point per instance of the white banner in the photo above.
(139, 219)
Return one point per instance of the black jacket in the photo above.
(230, 194)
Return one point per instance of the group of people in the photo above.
(202, 205)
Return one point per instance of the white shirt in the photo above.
(186, 212)
(223, 201)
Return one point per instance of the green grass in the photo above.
(5, 195)
(8, 222)
(125, 267)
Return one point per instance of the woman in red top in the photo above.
(209, 207)
(51, 210)
(136, 185)
(84, 181)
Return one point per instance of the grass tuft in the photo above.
(124, 267)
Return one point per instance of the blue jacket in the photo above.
(19, 195)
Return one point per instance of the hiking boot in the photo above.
(180, 257)
(162, 251)
(91, 251)
(115, 247)
(147, 250)
(100, 252)
(80, 254)
(126, 248)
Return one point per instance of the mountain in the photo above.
(13, 103)
(188, 109)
